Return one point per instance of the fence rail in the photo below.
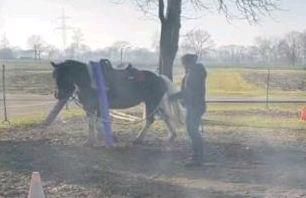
(258, 101)
(13, 88)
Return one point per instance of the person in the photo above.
(193, 93)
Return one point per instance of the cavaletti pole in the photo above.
(99, 80)
(54, 112)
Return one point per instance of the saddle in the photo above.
(133, 74)
(120, 81)
(129, 73)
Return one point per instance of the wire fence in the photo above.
(27, 89)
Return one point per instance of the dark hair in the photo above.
(189, 58)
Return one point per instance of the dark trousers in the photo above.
(193, 120)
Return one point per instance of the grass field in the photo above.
(237, 83)
(35, 78)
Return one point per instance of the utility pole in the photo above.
(64, 28)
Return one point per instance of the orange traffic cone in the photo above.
(36, 189)
(303, 114)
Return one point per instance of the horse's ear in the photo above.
(53, 64)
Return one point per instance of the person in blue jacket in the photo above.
(193, 92)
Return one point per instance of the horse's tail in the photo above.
(172, 108)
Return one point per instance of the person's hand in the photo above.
(172, 97)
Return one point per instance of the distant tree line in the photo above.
(289, 50)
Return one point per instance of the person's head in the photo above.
(189, 60)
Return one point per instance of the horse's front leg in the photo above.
(99, 128)
(91, 117)
(142, 133)
(149, 121)
(100, 131)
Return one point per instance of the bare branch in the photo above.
(144, 6)
(198, 4)
(247, 9)
(198, 42)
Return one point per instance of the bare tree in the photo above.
(303, 43)
(4, 42)
(51, 51)
(155, 42)
(198, 41)
(77, 39)
(264, 47)
(291, 47)
(120, 47)
(169, 13)
(233, 54)
(5, 51)
(274, 53)
(37, 45)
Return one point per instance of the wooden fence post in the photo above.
(4, 96)
(268, 88)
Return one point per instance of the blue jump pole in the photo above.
(98, 77)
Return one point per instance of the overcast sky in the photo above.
(103, 22)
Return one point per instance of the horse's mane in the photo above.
(73, 62)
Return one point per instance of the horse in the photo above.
(125, 88)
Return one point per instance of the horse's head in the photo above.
(64, 81)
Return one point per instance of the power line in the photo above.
(64, 27)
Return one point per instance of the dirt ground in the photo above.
(239, 162)
(22, 105)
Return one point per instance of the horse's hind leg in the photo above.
(166, 116)
(171, 130)
(99, 128)
(149, 121)
(91, 130)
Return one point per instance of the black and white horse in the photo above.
(126, 88)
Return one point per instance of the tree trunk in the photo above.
(169, 37)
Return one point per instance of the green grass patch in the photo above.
(258, 122)
(290, 108)
(26, 65)
(257, 115)
(38, 118)
(230, 83)
(73, 113)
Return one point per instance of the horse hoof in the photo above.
(171, 139)
(99, 137)
(42, 135)
(89, 143)
(137, 141)
(115, 138)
